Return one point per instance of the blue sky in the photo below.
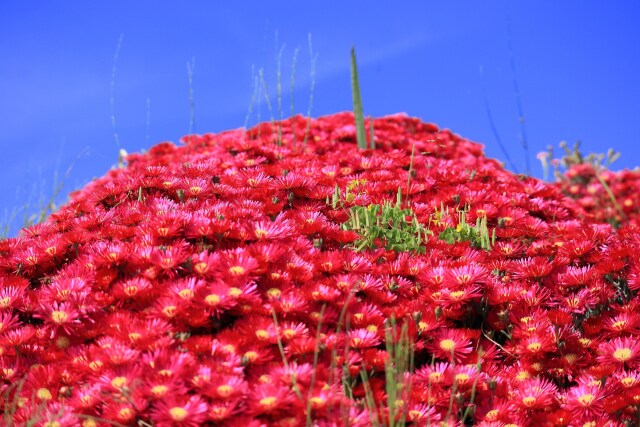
(577, 65)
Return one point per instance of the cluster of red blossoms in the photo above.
(581, 183)
(213, 283)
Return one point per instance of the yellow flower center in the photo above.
(585, 342)
(492, 415)
(415, 414)
(622, 354)
(534, 346)
(178, 413)
(457, 294)
(628, 381)
(318, 402)
(251, 356)
(462, 378)
(169, 310)
(59, 317)
(218, 412)
(225, 390)
(526, 319)
(265, 379)
(131, 290)
(586, 399)
(159, 390)
(119, 382)
(274, 292)
(200, 267)
(186, 293)
(529, 401)
(237, 270)
(447, 344)
(125, 413)
(262, 334)
(44, 394)
(268, 402)
(212, 299)
(619, 324)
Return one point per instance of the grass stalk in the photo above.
(148, 122)
(259, 100)
(334, 352)
(516, 90)
(292, 92)
(191, 65)
(279, 92)
(254, 94)
(312, 75)
(370, 401)
(612, 196)
(371, 134)
(316, 354)
(294, 386)
(494, 129)
(473, 392)
(454, 389)
(413, 151)
(266, 94)
(361, 135)
(112, 96)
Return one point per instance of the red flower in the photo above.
(363, 338)
(585, 401)
(269, 398)
(236, 266)
(533, 268)
(535, 393)
(62, 315)
(7, 321)
(279, 230)
(622, 352)
(173, 412)
(451, 345)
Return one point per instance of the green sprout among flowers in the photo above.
(398, 228)
(478, 235)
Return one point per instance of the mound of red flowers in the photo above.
(214, 283)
